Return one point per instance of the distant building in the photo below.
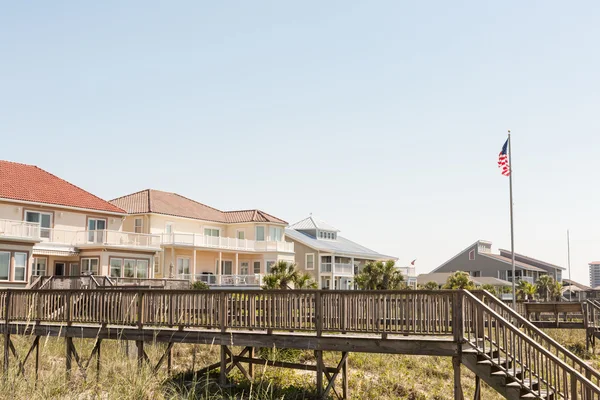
(332, 259)
(479, 261)
(595, 274)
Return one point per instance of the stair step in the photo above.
(543, 394)
(531, 385)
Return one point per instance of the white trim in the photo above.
(177, 265)
(472, 251)
(250, 266)
(260, 269)
(81, 266)
(306, 261)
(14, 256)
(265, 233)
(135, 219)
(238, 231)
(171, 224)
(274, 261)
(210, 227)
(123, 214)
(221, 266)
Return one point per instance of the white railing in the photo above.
(117, 238)
(220, 242)
(338, 268)
(521, 278)
(19, 229)
(225, 280)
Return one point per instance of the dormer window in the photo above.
(327, 235)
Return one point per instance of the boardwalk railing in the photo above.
(513, 351)
(506, 339)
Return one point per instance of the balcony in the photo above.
(225, 243)
(338, 268)
(522, 278)
(407, 271)
(225, 280)
(19, 230)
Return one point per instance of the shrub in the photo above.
(199, 285)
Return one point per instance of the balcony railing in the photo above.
(117, 238)
(225, 280)
(19, 229)
(407, 271)
(338, 268)
(521, 278)
(228, 243)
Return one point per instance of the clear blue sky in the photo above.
(384, 119)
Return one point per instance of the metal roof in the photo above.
(340, 246)
(312, 223)
(442, 277)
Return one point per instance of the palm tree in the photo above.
(430, 286)
(526, 290)
(284, 275)
(305, 281)
(556, 291)
(459, 280)
(543, 285)
(379, 276)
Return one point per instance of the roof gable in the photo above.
(23, 182)
(527, 259)
(312, 223)
(167, 203)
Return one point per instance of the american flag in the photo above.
(503, 160)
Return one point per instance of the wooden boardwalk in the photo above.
(480, 332)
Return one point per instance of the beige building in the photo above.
(51, 227)
(226, 248)
(330, 258)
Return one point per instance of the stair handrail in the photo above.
(586, 383)
(595, 307)
(50, 278)
(560, 349)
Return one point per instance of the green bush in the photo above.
(199, 285)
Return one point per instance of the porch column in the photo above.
(194, 265)
(162, 263)
(172, 263)
(237, 266)
(220, 266)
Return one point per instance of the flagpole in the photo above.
(512, 231)
(569, 264)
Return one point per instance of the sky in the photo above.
(382, 118)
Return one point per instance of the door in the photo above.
(227, 267)
(59, 268)
(96, 229)
(244, 267)
(43, 219)
(74, 269)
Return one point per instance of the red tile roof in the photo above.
(159, 202)
(24, 182)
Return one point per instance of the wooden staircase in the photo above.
(517, 359)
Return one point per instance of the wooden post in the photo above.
(98, 361)
(223, 368)
(345, 379)
(140, 322)
(251, 365)
(458, 394)
(319, 357)
(477, 395)
(169, 359)
(68, 339)
(6, 332)
(37, 360)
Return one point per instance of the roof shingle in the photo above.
(23, 182)
(159, 202)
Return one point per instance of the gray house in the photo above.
(479, 261)
(330, 258)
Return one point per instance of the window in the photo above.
(310, 261)
(475, 274)
(257, 267)
(244, 267)
(96, 229)
(4, 265)
(270, 265)
(129, 268)
(226, 267)
(275, 233)
(260, 233)
(39, 267)
(183, 266)
(116, 267)
(471, 255)
(138, 225)
(241, 235)
(141, 269)
(211, 232)
(20, 266)
(43, 219)
(169, 228)
(156, 265)
(74, 269)
(89, 266)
